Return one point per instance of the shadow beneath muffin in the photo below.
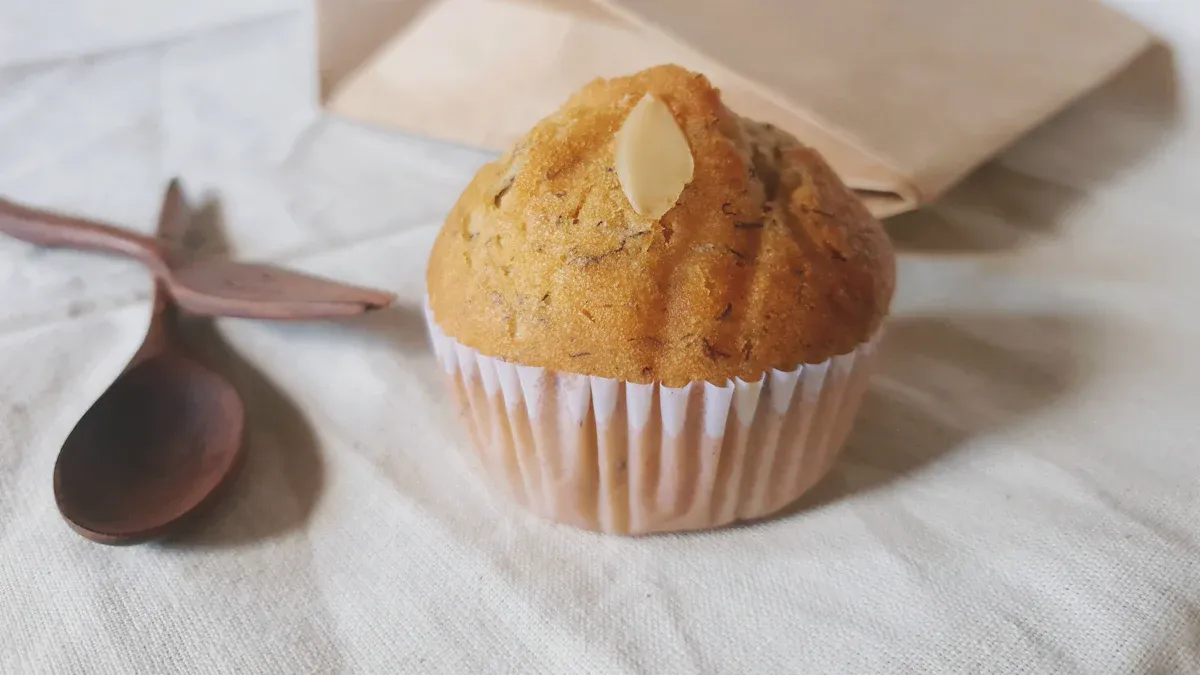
(1025, 191)
(944, 380)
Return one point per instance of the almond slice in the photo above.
(652, 157)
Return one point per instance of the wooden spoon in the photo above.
(210, 287)
(154, 448)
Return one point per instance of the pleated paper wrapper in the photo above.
(625, 458)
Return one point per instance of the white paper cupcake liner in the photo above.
(627, 458)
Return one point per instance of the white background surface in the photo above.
(1021, 495)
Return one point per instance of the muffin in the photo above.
(654, 314)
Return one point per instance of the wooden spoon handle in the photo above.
(44, 228)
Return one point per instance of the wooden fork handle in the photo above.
(44, 228)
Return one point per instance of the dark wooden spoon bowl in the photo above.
(150, 452)
(154, 447)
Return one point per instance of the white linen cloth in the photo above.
(1021, 494)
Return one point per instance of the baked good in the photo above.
(657, 315)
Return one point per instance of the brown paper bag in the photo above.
(904, 97)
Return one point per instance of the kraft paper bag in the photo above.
(903, 97)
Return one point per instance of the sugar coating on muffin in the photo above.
(765, 261)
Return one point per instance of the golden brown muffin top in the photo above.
(766, 260)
